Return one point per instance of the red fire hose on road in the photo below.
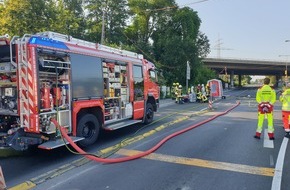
(128, 158)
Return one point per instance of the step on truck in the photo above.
(85, 86)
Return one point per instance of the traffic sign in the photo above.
(188, 71)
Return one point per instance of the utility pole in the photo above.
(219, 48)
(187, 74)
(103, 23)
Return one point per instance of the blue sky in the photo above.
(246, 29)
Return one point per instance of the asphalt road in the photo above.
(37, 162)
(220, 154)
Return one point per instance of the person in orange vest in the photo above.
(285, 100)
(266, 97)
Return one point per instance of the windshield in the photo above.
(153, 75)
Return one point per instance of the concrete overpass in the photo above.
(246, 67)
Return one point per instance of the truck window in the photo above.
(5, 53)
(138, 83)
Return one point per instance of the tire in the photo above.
(149, 114)
(89, 128)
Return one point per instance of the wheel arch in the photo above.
(96, 111)
(152, 101)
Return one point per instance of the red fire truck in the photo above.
(85, 86)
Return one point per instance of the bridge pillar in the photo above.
(240, 80)
(232, 79)
(278, 78)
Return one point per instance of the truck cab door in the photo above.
(138, 87)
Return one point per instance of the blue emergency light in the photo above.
(42, 41)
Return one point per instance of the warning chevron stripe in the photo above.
(2, 181)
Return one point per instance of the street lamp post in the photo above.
(286, 71)
(286, 68)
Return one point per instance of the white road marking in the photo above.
(276, 182)
(267, 142)
(271, 160)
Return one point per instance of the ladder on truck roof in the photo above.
(75, 41)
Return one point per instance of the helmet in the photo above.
(179, 86)
(174, 84)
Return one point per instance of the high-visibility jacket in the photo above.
(285, 99)
(266, 94)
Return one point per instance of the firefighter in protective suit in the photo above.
(266, 97)
(198, 93)
(203, 94)
(285, 100)
(173, 90)
(207, 90)
(179, 98)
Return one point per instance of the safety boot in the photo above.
(258, 135)
(271, 136)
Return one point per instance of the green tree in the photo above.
(177, 39)
(246, 79)
(31, 16)
(115, 15)
(160, 30)
(22, 16)
(203, 45)
(146, 15)
(273, 80)
(72, 13)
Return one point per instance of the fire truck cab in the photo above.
(85, 86)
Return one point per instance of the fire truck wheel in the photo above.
(149, 114)
(88, 127)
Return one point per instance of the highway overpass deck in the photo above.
(246, 66)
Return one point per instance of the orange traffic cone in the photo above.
(2, 180)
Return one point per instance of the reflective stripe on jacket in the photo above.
(285, 99)
(266, 94)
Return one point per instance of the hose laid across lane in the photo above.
(145, 153)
